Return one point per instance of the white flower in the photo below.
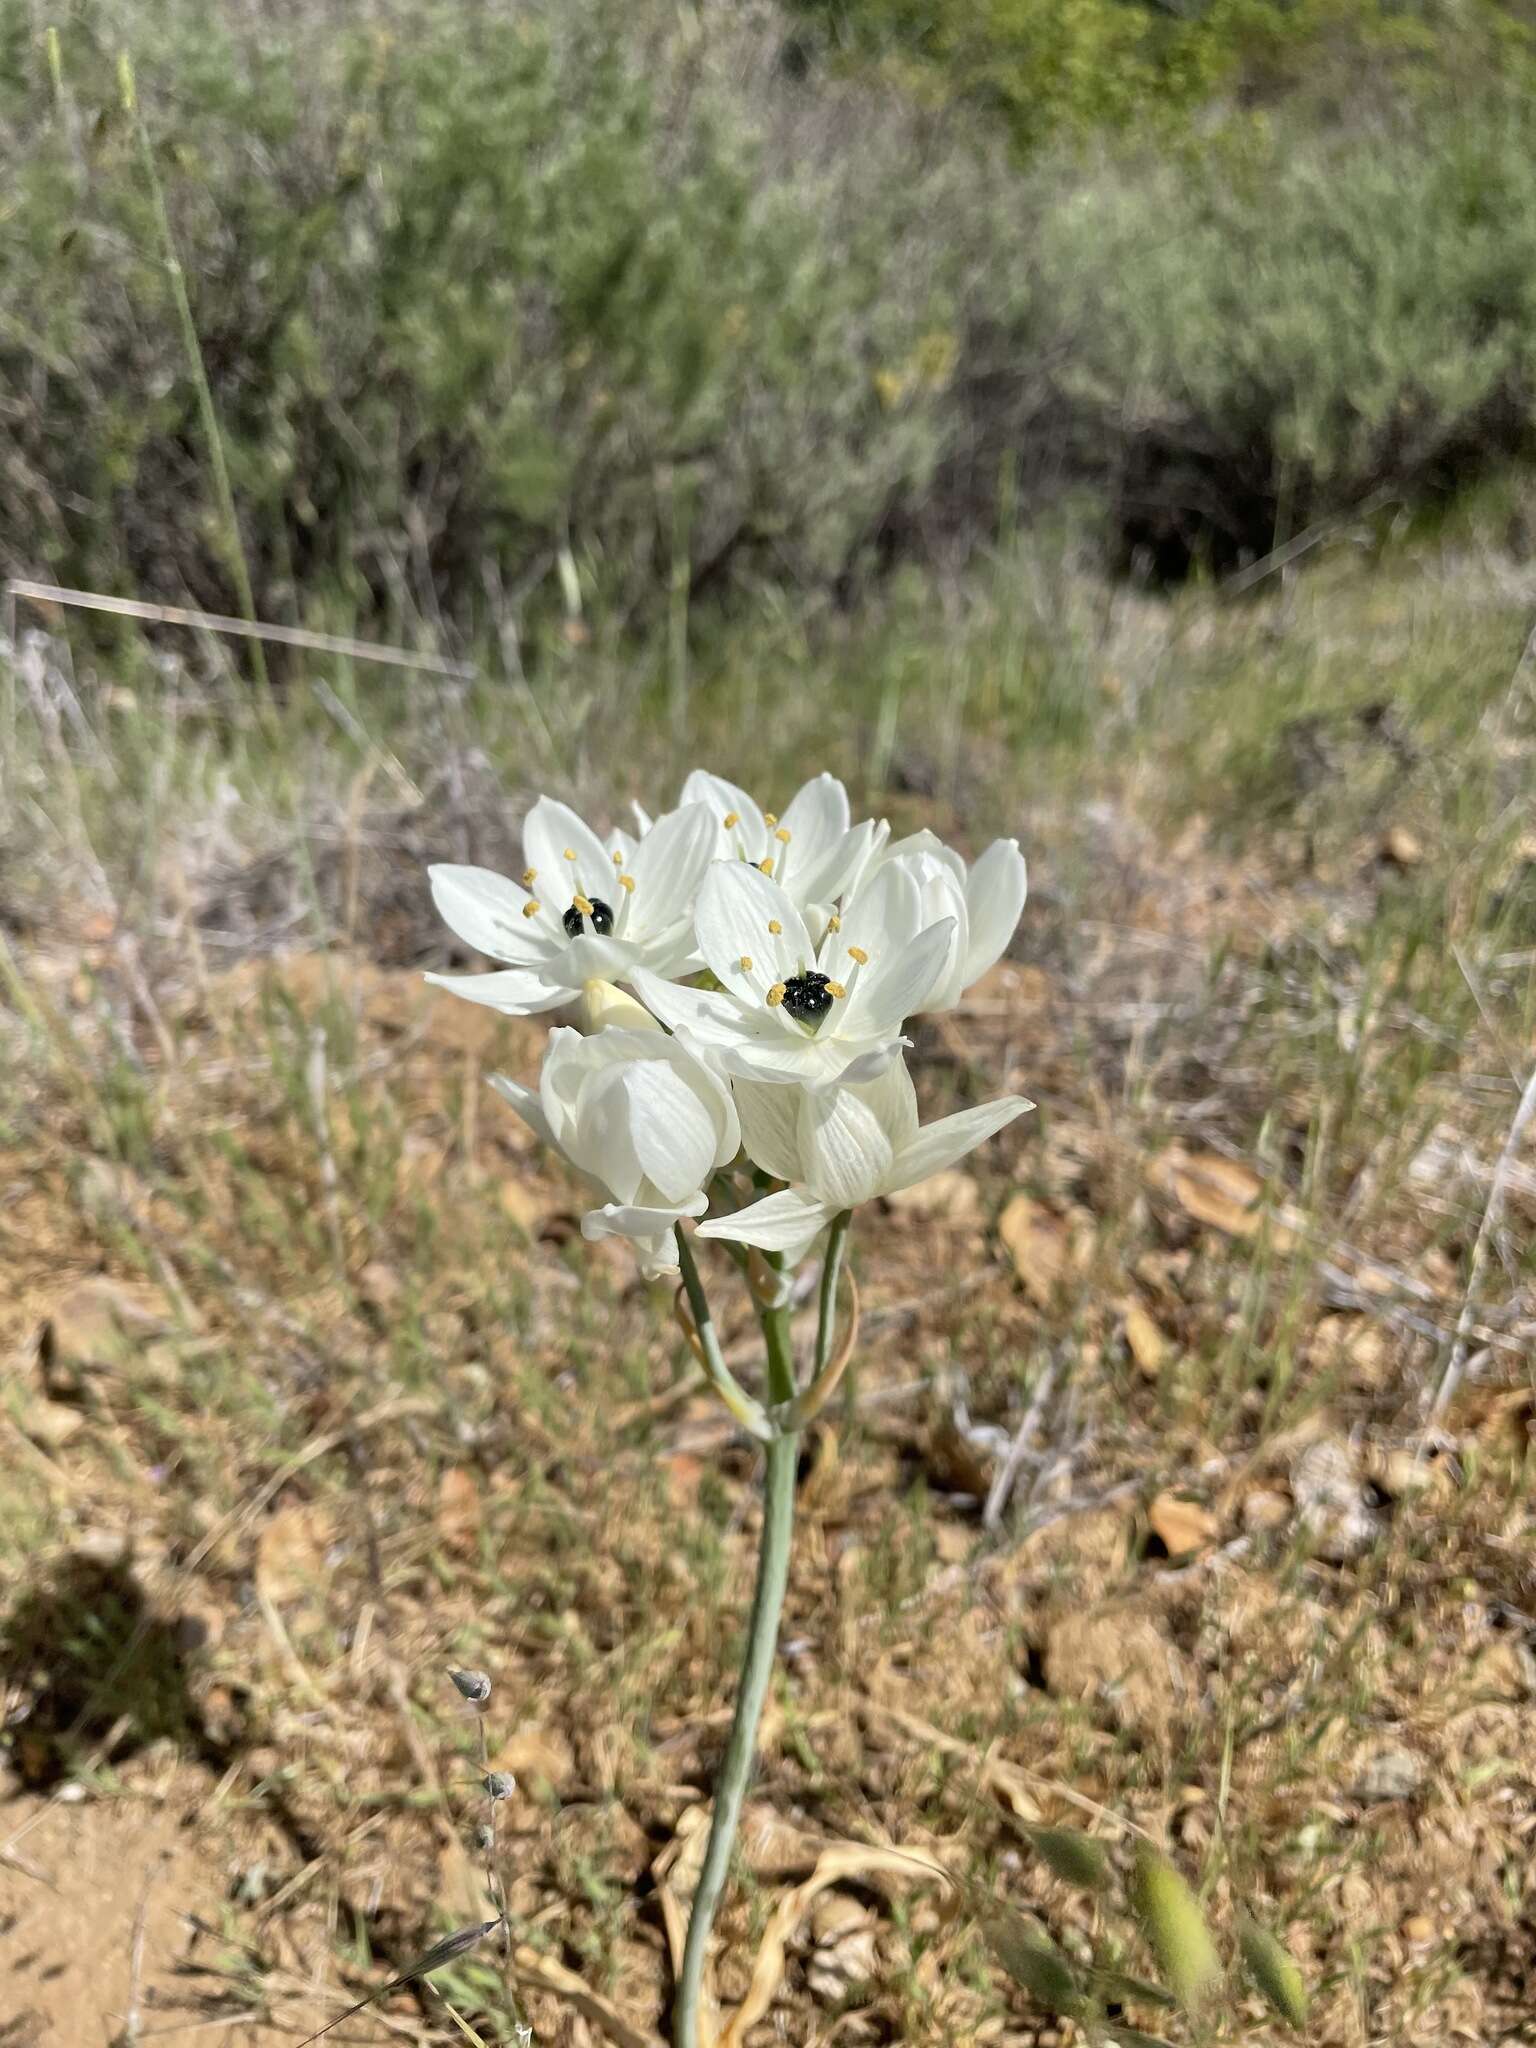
(639, 1115)
(985, 904)
(812, 851)
(787, 1010)
(584, 912)
(840, 1147)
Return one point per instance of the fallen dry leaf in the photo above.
(1222, 1193)
(458, 1511)
(1145, 1342)
(949, 1197)
(1039, 1242)
(1182, 1526)
(290, 1553)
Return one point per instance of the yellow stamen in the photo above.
(530, 876)
(746, 963)
(782, 836)
(834, 923)
(570, 853)
(618, 860)
(765, 867)
(626, 881)
(858, 953)
(774, 926)
(530, 908)
(583, 904)
(835, 988)
(731, 818)
(770, 818)
(776, 995)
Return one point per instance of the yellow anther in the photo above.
(834, 923)
(746, 963)
(530, 908)
(776, 995)
(782, 836)
(836, 989)
(858, 953)
(770, 818)
(626, 881)
(765, 867)
(530, 876)
(583, 904)
(774, 926)
(618, 860)
(731, 818)
(570, 853)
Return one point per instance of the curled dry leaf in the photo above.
(1145, 1342)
(1224, 1194)
(1182, 1526)
(1040, 1244)
(843, 1862)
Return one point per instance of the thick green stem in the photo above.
(756, 1671)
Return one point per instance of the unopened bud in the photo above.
(605, 1006)
(474, 1686)
(499, 1784)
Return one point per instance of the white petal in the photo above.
(600, 1136)
(672, 1130)
(738, 908)
(895, 984)
(516, 991)
(642, 818)
(892, 1098)
(666, 868)
(816, 821)
(650, 1228)
(747, 838)
(551, 832)
(885, 911)
(926, 845)
(847, 1151)
(994, 898)
(787, 1222)
(702, 1013)
(835, 870)
(769, 1114)
(487, 911)
(527, 1104)
(940, 1144)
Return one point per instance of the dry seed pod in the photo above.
(1174, 1926)
(1032, 1960)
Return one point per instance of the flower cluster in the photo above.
(771, 963)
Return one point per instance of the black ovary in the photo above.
(602, 919)
(808, 998)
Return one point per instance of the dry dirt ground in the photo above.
(312, 1391)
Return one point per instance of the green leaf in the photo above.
(1075, 1857)
(1274, 1972)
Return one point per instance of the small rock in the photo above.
(100, 1326)
(1389, 1773)
(1331, 1502)
(1418, 1929)
(109, 1549)
(378, 1286)
(1400, 848)
(1264, 1509)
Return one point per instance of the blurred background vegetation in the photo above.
(626, 302)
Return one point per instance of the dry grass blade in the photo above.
(446, 1951)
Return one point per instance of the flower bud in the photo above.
(1174, 1927)
(474, 1686)
(499, 1784)
(605, 1005)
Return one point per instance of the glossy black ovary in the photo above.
(807, 997)
(575, 920)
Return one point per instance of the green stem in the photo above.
(756, 1671)
(831, 1273)
(747, 1412)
